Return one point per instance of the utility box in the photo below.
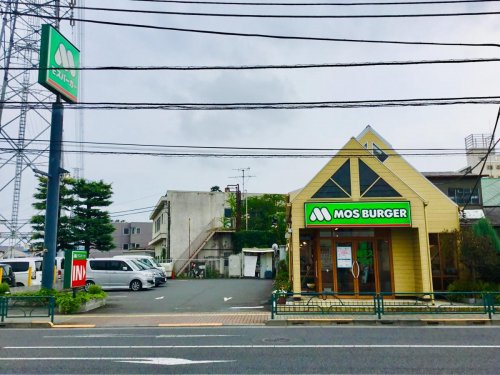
(234, 269)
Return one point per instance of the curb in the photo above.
(394, 322)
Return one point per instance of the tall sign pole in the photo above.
(58, 60)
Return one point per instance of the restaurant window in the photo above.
(444, 262)
(381, 155)
(337, 186)
(372, 185)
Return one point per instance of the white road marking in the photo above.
(159, 297)
(170, 361)
(227, 298)
(153, 361)
(123, 335)
(246, 307)
(327, 346)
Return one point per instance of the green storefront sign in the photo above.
(58, 60)
(358, 214)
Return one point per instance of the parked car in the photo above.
(144, 262)
(8, 276)
(150, 261)
(21, 267)
(113, 273)
(159, 276)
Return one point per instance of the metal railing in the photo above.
(27, 307)
(385, 303)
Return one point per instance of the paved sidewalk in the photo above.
(244, 319)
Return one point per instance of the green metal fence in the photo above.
(27, 307)
(385, 303)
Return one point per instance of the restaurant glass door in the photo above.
(355, 267)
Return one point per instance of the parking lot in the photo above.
(193, 295)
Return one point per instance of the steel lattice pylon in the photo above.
(22, 127)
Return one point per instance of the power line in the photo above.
(280, 66)
(375, 103)
(230, 155)
(346, 4)
(282, 16)
(140, 145)
(267, 36)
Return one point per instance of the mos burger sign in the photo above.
(358, 214)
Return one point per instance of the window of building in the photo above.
(126, 230)
(138, 230)
(132, 245)
(444, 262)
(381, 155)
(461, 195)
(157, 224)
(490, 167)
(337, 186)
(137, 246)
(125, 246)
(372, 185)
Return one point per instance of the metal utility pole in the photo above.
(24, 109)
(243, 176)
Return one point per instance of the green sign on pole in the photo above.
(357, 214)
(58, 60)
(75, 268)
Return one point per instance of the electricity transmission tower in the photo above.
(24, 110)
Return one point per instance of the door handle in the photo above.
(355, 275)
(352, 270)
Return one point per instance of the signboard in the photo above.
(344, 257)
(58, 58)
(357, 214)
(75, 269)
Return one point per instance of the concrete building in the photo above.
(476, 148)
(132, 235)
(192, 226)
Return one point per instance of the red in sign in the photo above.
(79, 273)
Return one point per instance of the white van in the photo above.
(150, 261)
(21, 267)
(113, 273)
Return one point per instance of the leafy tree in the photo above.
(215, 188)
(266, 221)
(92, 225)
(477, 249)
(65, 235)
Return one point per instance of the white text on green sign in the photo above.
(59, 61)
(358, 214)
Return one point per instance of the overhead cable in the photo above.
(281, 16)
(266, 36)
(417, 102)
(281, 66)
(375, 3)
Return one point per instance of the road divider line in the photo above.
(190, 324)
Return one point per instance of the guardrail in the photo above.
(27, 307)
(385, 303)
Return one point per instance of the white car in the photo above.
(113, 273)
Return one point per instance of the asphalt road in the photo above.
(243, 350)
(193, 295)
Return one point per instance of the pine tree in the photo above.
(92, 225)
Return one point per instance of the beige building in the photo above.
(368, 222)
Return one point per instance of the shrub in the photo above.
(4, 288)
(470, 286)
(94, 289)
(67, 304)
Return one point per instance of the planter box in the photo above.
(89, 306)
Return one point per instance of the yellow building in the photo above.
(368, 222)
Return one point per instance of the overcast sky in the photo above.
(139, 181)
